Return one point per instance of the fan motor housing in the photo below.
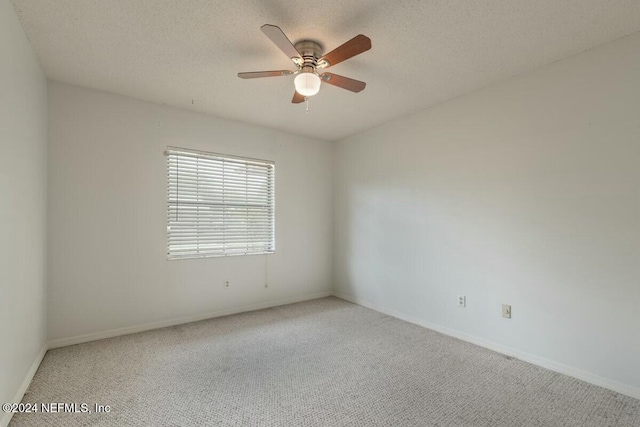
(310, 50)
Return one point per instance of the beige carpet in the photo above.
(319, 363)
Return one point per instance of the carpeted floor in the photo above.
(318, 363)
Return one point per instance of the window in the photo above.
(218, 205)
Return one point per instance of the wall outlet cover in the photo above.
(462, 301)
(506, 311)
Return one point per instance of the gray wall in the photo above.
(23, 171)
(108, 267)
(525, 193)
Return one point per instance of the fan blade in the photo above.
(278, 37)
(353, 47)
(256, 74)
(343, 82)
(297, 98)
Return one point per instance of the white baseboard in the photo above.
(6, 417)
(530, 358)
(94, 336)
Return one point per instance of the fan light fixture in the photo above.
(307, 84)
(310, 62)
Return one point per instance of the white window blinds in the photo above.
(218, 205)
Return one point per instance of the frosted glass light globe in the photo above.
(307, 84)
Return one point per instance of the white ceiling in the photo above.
(186, 53)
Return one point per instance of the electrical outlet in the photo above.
(506, 311)
(462, 301)
(226, 283)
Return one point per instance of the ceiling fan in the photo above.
(308, 56)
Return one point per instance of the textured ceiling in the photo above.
(186, 53)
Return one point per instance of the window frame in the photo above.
(269, 165)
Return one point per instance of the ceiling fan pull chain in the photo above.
(306, 98)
